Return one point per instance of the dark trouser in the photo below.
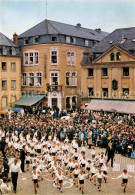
(22, 165)
(110, 157)
(14, 176)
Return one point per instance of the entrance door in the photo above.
(54, 103)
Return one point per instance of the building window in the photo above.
(67, 102)
(91, 91)
(67, 39)
(13, 84)
(90, 72)
(31, 79)
(26, 58)
(13, 66)
(73, 40)
(3, 66)
(104, 72)
(4, 85)
(36, 57)
(39, 79)
(31, 58)
(105, 92)
(13, 51)
(24, 79)
(125, 92)
(71, 58)
(36, 39)
(54, 38)
(74, 79)
(118, 56)
(54, 78)
(86, 43)
(112, 56)
(26, 41)
(67, 78)
(125, 71)
(71, 102)
(4, 50)
(54, 57)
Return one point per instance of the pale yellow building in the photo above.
(10, 72)
(52, 53)
(108, 68)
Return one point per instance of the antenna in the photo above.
(46, 9)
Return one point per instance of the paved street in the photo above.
(113, 187)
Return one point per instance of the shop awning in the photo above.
(29, 100)
(112, 105)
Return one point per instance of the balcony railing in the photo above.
(51, 88)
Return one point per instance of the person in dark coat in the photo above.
(22, 158)
(110, 154)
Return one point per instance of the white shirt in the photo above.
(15, 168)
(124, 176)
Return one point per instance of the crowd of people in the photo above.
(42, 141)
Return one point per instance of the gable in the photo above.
(106, 56)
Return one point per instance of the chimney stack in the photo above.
(15, 38)
(98, 30)
(78, 25)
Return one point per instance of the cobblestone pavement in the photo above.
(112, 187)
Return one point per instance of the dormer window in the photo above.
(4, 50)
(26, 41)
(54, 38)
(73, 40)
(13, 51)
(36, 39)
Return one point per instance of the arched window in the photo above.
(71, 58)
(112, 57)
(67, 78)
(39, 79)
(74, 79)
(118, 56)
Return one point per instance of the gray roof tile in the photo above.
(53, 27)
(116, 36)
(4, 41)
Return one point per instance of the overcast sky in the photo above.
(20, 15)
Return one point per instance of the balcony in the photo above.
(51, 88)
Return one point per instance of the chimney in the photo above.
(78, 25)
(98, 30)
(15, 38)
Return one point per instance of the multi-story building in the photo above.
(52, 53)
(10, 71)
(108, 68)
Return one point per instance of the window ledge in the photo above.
(90, 77)
(71, 86)
(125, 77)
(105, 77)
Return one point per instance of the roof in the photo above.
(53, 27)
(29, 100)
(112, 105)
(114, 38)
(5, 41)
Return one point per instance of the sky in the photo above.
(20, 15)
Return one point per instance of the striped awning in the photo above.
(112, 105)
(29, 99)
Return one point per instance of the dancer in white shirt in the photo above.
(124, 177)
